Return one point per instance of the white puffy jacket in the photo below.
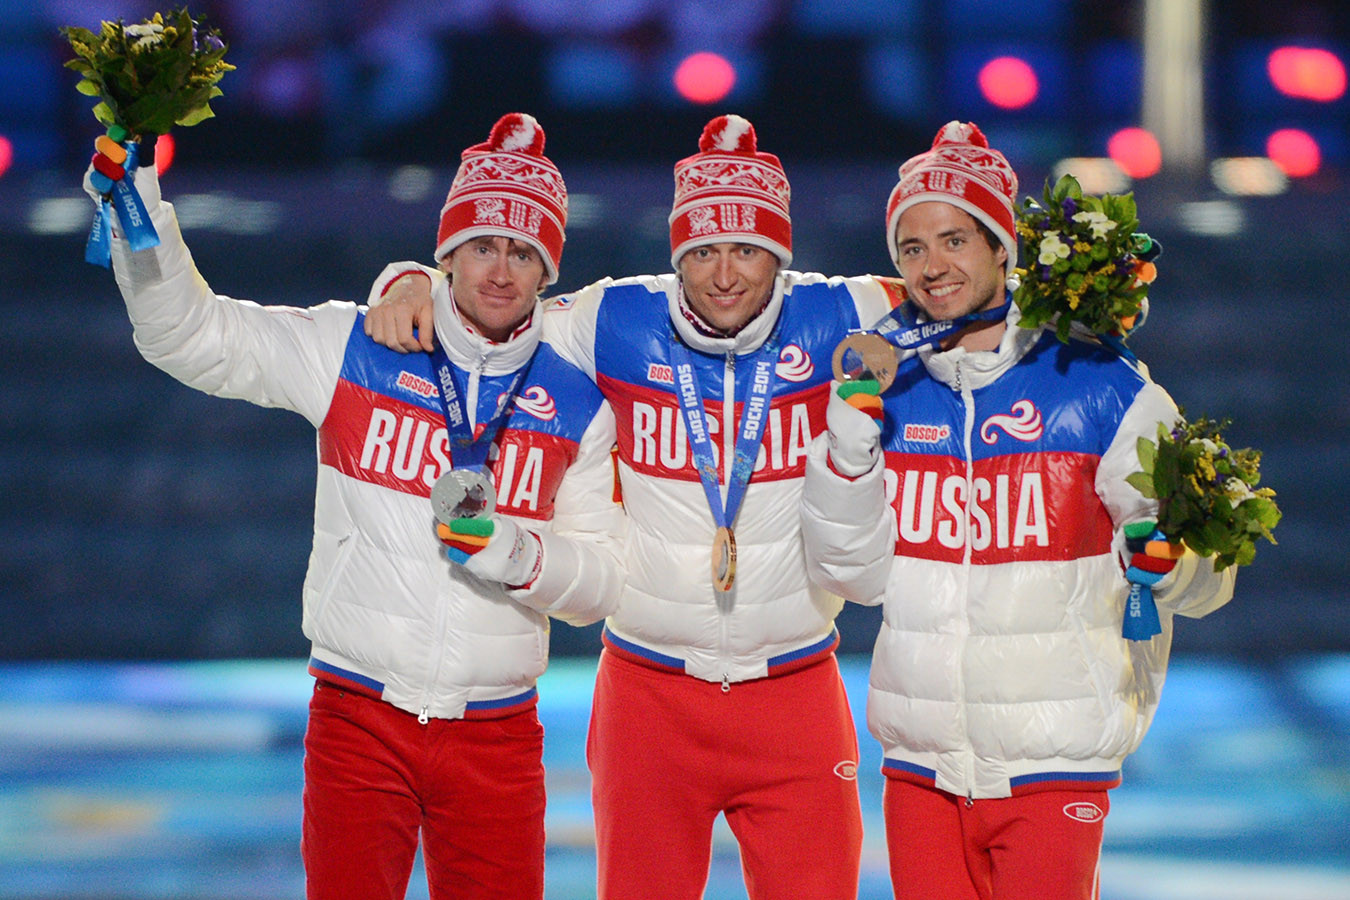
(670, 616)
(386, 611)
(992, 534)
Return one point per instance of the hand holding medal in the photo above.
(148, 78)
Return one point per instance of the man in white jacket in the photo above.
(984, 502)
(423, 719)
(717, 691)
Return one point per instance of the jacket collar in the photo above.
(467, 349)
(982, 367)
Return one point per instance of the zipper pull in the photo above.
(726, 683)
(422, 717)
(970, 801)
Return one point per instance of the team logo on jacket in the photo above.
(536, 401)
(846, 769)
(1084, 812)
(415, 383)
(658, 373)
(1024, 424)
(794, 364)
(926, 434)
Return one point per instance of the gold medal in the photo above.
(724, 559)
(864, 355)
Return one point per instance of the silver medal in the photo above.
(463, 494)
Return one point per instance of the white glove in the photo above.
(854, 436)
(507, 553)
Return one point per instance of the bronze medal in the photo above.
(724, 559)
(463, 494)
(864, 355)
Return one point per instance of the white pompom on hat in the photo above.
(963, 170)
(729, 192)
(507, 187)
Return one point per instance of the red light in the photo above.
(164, 150)
(1008, 82)
(1307, 73)
(704, 78)
(1294, 151)
(1136, 151)
(6, 154)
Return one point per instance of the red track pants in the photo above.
(1038, 846)
(374, 777)
(777, 756)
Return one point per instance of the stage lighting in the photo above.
(6, 155)
(1248, 176)
(704, 78)
(1295, 151)
(1008, 82)
(165, 148)
(1136, 151)
(1308, 73)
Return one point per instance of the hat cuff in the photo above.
(1006, 237)
(549, 242)
(772, 231)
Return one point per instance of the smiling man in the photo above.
(422, 725)
(988, 511)
(717, 690)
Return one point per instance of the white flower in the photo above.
(146, 34)
(1210, 447)
(1052, 248)
(1237, 490)
(1101, 226)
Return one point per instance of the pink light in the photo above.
(704, 78)
(1307, 73)
(6, 154)
(1136, 151)
(1008, 82)
(1294, 151)
(164, 152)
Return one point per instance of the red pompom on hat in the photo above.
(963, 170)
(729, 192)
(507, 187)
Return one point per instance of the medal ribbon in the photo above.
(131, 212)
(465, 445)
(903, 330)
(753, 417)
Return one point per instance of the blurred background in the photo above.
(153, 540)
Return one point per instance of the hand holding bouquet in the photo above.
(1207, 492)
(148, 78)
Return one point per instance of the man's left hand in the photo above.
(494, 549)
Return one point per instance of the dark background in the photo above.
(141, 519)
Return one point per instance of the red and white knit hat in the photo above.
(730, 192)
(507, 187)
(963, 170)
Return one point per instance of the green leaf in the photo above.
(1143, 483)
(88, 88)
(200, 114)
(1147, 452)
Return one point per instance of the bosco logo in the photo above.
(1084, 812)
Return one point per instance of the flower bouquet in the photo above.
(147, 78)
(1086, 261)
(1207, 492)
